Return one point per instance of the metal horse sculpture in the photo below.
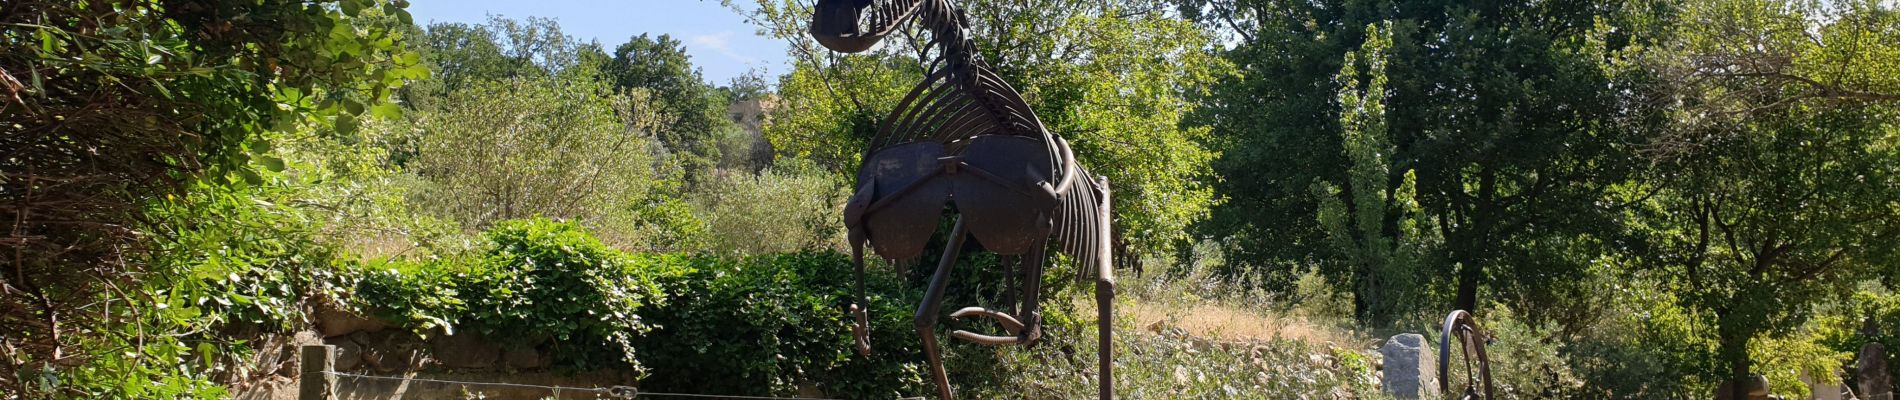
(964, 136)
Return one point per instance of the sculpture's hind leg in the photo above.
(1024, 328)
(1105, 308)
(1009, 284)
(1105, 298)
(1032, 294)
(926, 319)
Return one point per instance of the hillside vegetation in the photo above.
(1641, 199)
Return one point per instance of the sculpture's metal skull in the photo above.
(846, 26)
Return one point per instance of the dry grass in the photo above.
(1232, 323)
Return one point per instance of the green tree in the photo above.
(464, 55)
(522, 148)
(695, 112)
(1508, 115)
(1113, 78)
(788, 208)
(115, 109)
(1777, 184)
(1384, 236)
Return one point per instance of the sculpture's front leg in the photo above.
(926, 319)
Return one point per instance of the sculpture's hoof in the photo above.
(1033, 331)
(861, 330)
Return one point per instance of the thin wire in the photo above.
(392, 378)
(608, 391)
(721, 396)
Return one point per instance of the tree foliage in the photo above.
(1507, 115)
(1113, 78)
(1384, 236)
(1778, 177)
(521, 148)
(695, 114)
(113, 105)
(783, 209)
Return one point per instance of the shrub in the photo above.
(224, 267)
(537, 283)
(421, 296)
(769, 325)
(552, 280)
(1526, 361)
(524, 147)
(1643, 345)
(763, 325)
(788, 208)
(1785, 359)
(1841, 329)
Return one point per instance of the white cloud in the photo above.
(720, 43)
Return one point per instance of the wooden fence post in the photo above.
(315, 382)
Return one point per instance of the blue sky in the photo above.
(719, 40)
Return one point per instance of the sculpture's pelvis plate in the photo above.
(902, 177)
(1006, 196)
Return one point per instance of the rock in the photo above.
(1757, 389)
(1410, 367)
(1871, 371)
(1818, 390)
(523, 358)
(389, 350)
(808, 389)
(1181, 376)
(333, 321)
(466, 350)
(348, 354)
(1319, 360)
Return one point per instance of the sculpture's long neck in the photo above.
(957, 55)
(950, 32)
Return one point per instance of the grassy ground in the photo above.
(1193, 338)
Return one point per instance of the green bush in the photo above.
(1643, 345)
(1526, 359)
(545, 280)
(536, 283)
(764, 325)
(421, 296)
(793, 206)
(1840, 330)
(769, 325)
(224, 267)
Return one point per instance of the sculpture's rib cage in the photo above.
(964, 137)
(961, 98)
(1077, 226)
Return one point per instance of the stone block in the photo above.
(1410, 367)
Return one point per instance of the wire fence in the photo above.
(624, 392)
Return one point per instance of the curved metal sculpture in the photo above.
(1462, 329)
(965, 137)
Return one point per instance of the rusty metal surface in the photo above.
(899, 202)
(963, 136)
(1461, 330)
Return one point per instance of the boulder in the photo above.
(465, 350)
(1871, 372)
(1410, 367)
(348, 354)
(1757, 389)
(390, 350)
(523, 358)
(333, 321)
(1821, 390)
